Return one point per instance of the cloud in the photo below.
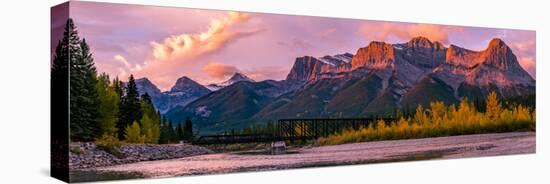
(529, 64)
(525, 51)
(383, 31)
(121, 59)
(189, 45)
(219, 70)
(179, 55)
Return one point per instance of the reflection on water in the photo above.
(94, 175)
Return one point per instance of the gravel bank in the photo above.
(89, 156)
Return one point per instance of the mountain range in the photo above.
(376, 80)
(184, 91)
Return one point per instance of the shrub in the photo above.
(110, 144)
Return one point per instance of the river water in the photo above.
(357, 153)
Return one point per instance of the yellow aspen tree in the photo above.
(493, 107)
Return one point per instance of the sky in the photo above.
(209, 46)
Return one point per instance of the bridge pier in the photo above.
(278, 147)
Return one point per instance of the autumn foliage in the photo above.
(441, 120)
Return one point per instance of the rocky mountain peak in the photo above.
(376, 55)
(310, 68)
(496, 42)
(420, 42)
(499, 55)
(237, 77)
(459, 56)
(240, 77)
(423, 42)
(305, 68)
(184, 84)
(144, 85)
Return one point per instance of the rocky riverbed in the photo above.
(357, 153)
(87, 155)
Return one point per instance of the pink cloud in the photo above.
(179, 55)
(529, 64)
(189, 45)
(122, 60)
(525, 51)
(383, 31)
(219, 70)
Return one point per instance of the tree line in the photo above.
(445, 120)
(108, 110)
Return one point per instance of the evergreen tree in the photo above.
(179, 132)
(108, 106)
(145, 98)
(167, 134)
(130, 107)
(188, 130)
(117, 85)
(150, 121)
(171, 133)
(163, 139)
(84, 100)
(60, 91)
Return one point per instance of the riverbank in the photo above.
(87, 155)
(356, 153)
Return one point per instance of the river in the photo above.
(356, 153)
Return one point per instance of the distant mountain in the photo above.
(308, 68)
(145, 86)
(234, 103)
(183, 92)
(237, 77)
(377, 80)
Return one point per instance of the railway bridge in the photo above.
(293, 130)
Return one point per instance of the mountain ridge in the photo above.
(377, 80)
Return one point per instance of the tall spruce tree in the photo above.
(171, 132)
(188, 130)
(117, 85)
(163, 138)
(130, 107)
(60, 91)
(83, 101)
(179, 132)
(151, 124)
